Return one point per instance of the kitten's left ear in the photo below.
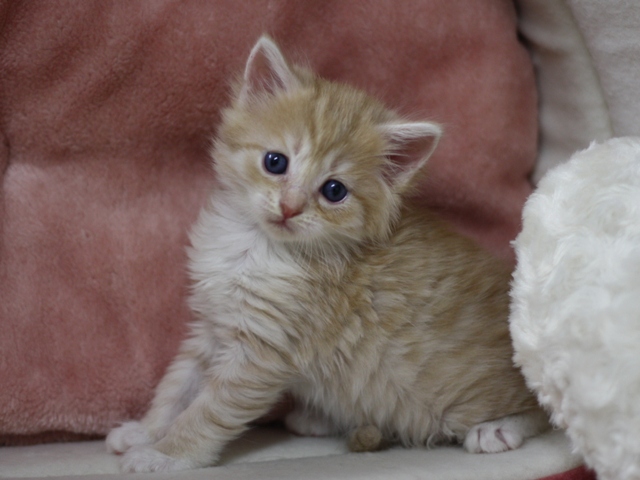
(266, 71)
(410, 146)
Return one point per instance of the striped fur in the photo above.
(375, 316)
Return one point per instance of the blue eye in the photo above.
(275, 162)
(334, 191)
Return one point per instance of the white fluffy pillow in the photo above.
(575, 317)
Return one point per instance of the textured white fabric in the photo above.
(266, 454)
(575, 317)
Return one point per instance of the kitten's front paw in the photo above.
(129, 434)
(493, 437)
(147, 459)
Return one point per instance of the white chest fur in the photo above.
(241, 279)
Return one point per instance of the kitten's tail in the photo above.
(366, 439)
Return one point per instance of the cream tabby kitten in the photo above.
(313, 275)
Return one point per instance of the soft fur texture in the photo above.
(362, 305)
(575, 307)
(107, 112)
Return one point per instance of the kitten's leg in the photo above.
(232, 397)
(174, 393)
(506, 433)
(307, 422)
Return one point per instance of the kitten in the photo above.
(313, 275)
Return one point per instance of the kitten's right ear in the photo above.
(266, 72)
(410, 145)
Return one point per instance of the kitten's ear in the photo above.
(267, 71)
(410, 145)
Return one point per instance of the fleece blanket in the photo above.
(273, 454)
(107, 112)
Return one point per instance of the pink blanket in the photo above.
(107, 111)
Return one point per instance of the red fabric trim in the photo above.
(580, 473)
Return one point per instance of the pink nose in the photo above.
(289, 211)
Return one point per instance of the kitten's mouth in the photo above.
(282, 224)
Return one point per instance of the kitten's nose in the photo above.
(292, 202)
(289, 211)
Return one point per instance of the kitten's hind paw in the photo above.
(147, 459)
(506, 433)
(493, 437)
(127, 435)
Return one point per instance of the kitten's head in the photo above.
(312, 161)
